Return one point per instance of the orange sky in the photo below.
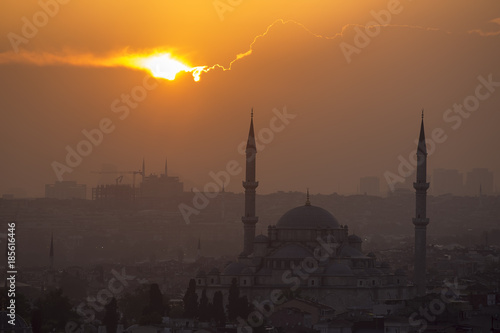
(355, 114)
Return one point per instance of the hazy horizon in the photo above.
(353, 103)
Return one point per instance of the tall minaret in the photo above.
(249, 220)
(420, 221)
(51, 253)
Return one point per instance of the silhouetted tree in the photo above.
(111, 316)
(237, 306)
(243, 307)
(132, 304)
(203, 310)
(56, 311)
(218, 309)
(156, 299)
(36, 320)
(191, 300)
(233, 300)
(155, 310)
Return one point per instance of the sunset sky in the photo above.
(337, 88)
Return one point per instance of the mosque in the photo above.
(308, 253)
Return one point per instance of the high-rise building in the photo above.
(66, 189)
(160, 186)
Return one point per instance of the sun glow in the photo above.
(161, 63)
(164, 65)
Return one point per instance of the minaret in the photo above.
(249, 220)
(420, 221)
(166, 168)
(51, 253)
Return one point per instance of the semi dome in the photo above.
(261, 239)
(234, 268)
(307, 217)
(354, 239)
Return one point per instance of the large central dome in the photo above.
(307, 217)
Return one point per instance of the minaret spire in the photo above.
(251, 136)
(421, 221)
(308, 202)
(249, 219)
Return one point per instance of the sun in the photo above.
(164, 65)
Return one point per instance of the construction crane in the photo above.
(121, 173)
(119, 179)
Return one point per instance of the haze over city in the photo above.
(356, 100)
(250, 166)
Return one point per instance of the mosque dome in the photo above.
(307, 217)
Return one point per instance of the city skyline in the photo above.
(302, 76)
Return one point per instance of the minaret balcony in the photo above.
(249, 219)
(250, 185)
(420, 222)
(421, 186)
